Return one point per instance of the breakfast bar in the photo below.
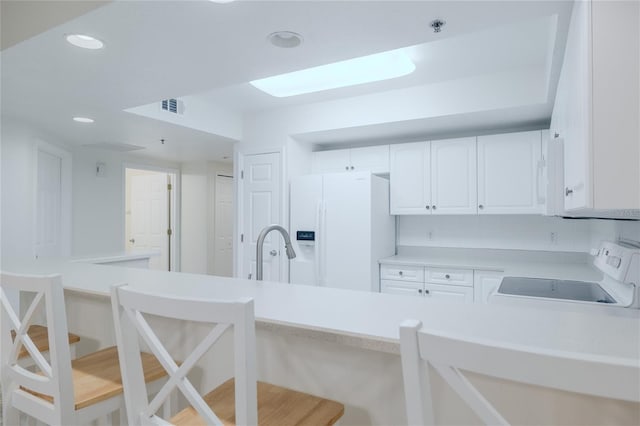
(344, 344)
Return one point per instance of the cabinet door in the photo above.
(333, 161)
(453, 176)
(484, 284)
(577, 69)
(449, 293)
(508, 173)
(409, 178)
(401, 287)
(374, 159)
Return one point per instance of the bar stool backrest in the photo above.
(54, 376)
(129, 305)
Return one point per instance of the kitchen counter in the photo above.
(371, 320)
(118, 258)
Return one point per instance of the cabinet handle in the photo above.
(556, 135)
(420, 290)
(447, 276)
(400, 273)
(428, 207)
(351, 167)
(568, 192)
(481, 207)
(433, 207)
(426, 292)
(346, 167)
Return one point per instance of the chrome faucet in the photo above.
(263, 234)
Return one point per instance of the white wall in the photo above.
(19, 144)
(495, 232)
(512, 232)
(198, 196)
(198, 114)
(98, 202)
(195, 205)
(629, 230)
(18, 171)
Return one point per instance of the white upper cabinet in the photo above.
(374, 159)
(453, 176)
(597, 107)
(337, 160)
(410, 178)
(509, 170)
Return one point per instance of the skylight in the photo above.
(365, 69)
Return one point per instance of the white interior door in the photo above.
(149, 216)
(223, 227)
(261, 207)
(48, 233)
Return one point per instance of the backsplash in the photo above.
(511, 232)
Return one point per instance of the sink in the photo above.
(555, 289)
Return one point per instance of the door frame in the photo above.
(174, 260)
(66, 172)
(238, 167)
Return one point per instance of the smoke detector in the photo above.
(437, 25)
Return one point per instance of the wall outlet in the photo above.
(101, 169)
(553, 238)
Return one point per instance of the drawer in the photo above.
(402, 273)
(450, 276)
(401, 287)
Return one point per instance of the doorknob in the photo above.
(132, 240)
(273, 252)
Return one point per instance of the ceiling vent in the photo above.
(173, 106)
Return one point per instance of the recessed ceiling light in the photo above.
(285, 39)
(85, 41)
(83, 119)
(365, 69)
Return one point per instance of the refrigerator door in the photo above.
(305, 204)
(346, 254)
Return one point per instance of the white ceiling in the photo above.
(156, 50)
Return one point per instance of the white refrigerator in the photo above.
(340, 226)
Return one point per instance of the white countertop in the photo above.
(122, 256)
(373, 316)
(542, 266)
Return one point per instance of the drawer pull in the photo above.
(400, 273)
(447, 276)
(420, 290)
(426, 292)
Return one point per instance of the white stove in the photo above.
(618, 289)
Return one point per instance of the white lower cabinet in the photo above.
(449, 293)
(484, 284)
(452, 285)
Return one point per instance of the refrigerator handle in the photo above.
(323, 247)
(318, 244)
